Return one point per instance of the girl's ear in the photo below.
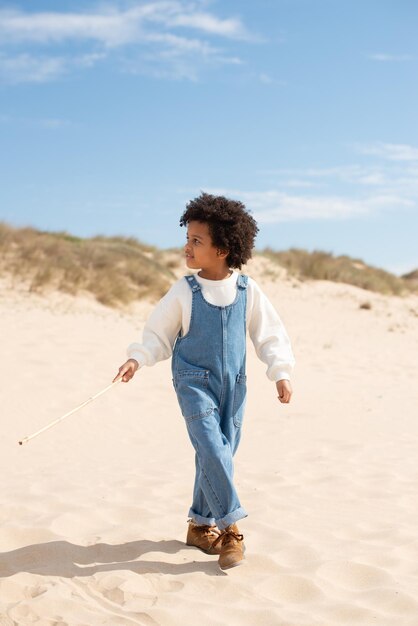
(222, 253)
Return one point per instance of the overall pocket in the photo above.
(240, 394)
(191, 388)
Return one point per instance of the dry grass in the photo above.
(120, 270)
(412, 279)
(342, 269)
(116, 270)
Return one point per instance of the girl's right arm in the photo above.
(159, 334)
(127, 371)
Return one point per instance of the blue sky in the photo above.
(114, 114)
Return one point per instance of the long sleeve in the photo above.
(160, 330)
(269, 336)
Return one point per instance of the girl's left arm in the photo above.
(270, 339)
(284, 390)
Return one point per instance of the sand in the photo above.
(93, 512)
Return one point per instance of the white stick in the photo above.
(77, 408)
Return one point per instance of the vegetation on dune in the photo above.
(120, 270)
(321, 265)
(412, 279)
(116, 270)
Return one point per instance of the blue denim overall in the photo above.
(208, 368)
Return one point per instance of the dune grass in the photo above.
(116, 270)
(319, 265)
(120, 270)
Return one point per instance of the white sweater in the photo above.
(172, 314)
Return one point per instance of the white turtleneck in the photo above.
(172, 315)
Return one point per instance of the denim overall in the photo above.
(208, 369)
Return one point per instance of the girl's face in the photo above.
(200, 251)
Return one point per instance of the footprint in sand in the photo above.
(144, 591)
(109, 587)
(170, 585)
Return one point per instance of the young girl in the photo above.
(201, 322)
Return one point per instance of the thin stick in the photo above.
(77, 408)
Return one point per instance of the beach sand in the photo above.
(94, 511)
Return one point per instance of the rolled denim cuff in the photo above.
(231, 518)
(202, 521)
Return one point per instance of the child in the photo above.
(201, 322)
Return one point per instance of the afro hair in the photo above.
(231, 226)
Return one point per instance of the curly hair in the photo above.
(231, 227)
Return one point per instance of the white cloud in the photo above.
(157, 33)
(391, 151)
(394, 171)
(210, 24)
(338, 192)
(342, 172)
(89, 60)
(320, 178)
(274, 206)
(372, 178)
(378, 56)
(29, 68)
(113, 27)
(173, 45)
(177, 58)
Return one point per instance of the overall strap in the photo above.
(242, 281)
(193, 284)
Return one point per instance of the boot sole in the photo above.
(237, 564)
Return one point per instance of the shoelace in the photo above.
(226, 536)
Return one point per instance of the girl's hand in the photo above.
(127, 371)
(284, 389)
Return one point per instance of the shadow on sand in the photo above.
(61, 558)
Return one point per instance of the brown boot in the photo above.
(232, 547)
(203, 537)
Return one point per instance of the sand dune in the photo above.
(93, 511)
